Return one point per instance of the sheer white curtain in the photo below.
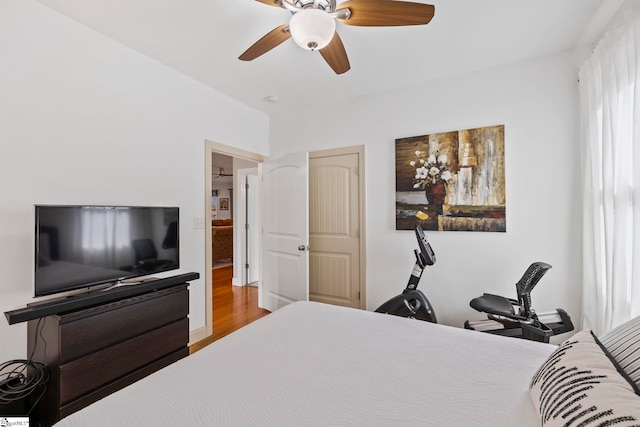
(610, 101)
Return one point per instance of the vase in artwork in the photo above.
(436, 193)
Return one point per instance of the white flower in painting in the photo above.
(421, 173)
(430, 170)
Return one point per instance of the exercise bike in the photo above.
(516, 317)
(412, 303)
(506, 316)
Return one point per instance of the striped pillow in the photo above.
(623, 343)
(579, 385)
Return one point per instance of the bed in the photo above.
(311, 364)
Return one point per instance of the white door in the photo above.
(334, 230)
(253, 230)
(285, 222)
(248, 225)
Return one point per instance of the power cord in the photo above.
(20, 378)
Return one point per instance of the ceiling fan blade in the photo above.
(270, 2)
(335, 55)
(266, 43)
(386, 13)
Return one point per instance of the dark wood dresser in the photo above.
(92, 352)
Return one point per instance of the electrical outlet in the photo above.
(198, 223)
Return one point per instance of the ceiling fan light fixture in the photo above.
(312, 29)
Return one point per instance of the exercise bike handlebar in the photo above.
(428, 256)
(424, 257)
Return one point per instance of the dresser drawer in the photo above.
(100, 368)
(94, 329)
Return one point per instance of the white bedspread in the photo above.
(310, 364)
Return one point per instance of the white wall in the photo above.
(537, 102)
(84, 119)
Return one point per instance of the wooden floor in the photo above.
(233, 306)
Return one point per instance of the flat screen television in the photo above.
(84, 246)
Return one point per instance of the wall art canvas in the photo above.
(452, 181)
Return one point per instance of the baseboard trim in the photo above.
(197, 335)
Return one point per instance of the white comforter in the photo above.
(310, 364)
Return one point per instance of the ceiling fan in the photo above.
(221, 173)
(313, 25)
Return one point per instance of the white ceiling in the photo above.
(203, 39)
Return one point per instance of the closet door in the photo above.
(334, 230)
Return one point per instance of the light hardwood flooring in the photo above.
(233, 306)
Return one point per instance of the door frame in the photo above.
(211, 147)
(360, 151)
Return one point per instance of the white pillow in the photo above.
(578, 385)
(623, 343)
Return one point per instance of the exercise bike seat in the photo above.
(494, 304)
(516, 317)
(502, 306)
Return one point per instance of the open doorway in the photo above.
(234, 243)
(226, 215)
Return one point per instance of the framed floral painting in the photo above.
(452, 181)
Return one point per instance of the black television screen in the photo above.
(82, 246)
